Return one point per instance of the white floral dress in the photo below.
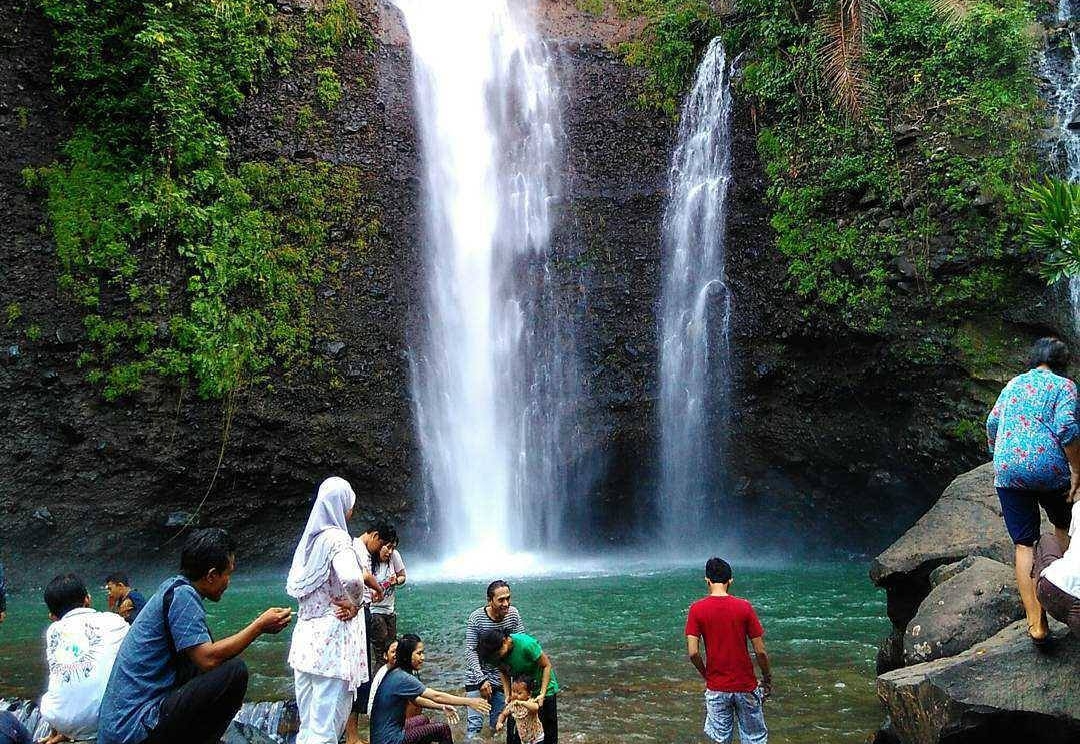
(321, 643)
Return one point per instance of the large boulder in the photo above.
(966, 521)
(973, 604)
(1001, 690)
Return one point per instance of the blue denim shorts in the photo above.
(1020, 509)
(723, 708)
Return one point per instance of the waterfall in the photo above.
(493, 374)
(1064, 76)
(695, 312)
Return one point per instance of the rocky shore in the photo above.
(958, 666)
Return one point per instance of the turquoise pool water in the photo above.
(616, 642)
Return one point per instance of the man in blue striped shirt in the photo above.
(482, 678)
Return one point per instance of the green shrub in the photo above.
(971, 90)
(188, 264)
(669, 48)
(327, 88)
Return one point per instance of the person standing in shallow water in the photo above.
(519, 654)
(1033, 435)
(732, 691)
(123, 600)
(328, 653)
(481, 676)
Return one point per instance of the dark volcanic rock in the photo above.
(890, 653)
(1000, 691)
(969, 607)
(966, 521)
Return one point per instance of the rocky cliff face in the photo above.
(832, 432)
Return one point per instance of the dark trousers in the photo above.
(382, 630)
(1058, 603)
(11, 731)
(199, 711)
(549, 719)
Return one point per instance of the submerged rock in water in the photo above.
(241, 733)
(1001, 690)
(972, 605)
(255, 723)
(966, 521)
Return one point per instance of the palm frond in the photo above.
(953, 11)
(845, 34)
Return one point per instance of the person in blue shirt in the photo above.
(123, 600)
(172, 683)
(1034, 437)
(396, 685)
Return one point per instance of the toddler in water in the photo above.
(525, 710)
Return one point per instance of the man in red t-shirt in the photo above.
(725, 623)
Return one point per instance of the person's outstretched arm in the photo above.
(476, 703)
(207, 656)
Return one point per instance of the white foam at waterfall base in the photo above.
(493, 369)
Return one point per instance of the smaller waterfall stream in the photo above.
(696, 307)
(1062, 68)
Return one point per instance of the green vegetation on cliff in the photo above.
(188, 263)
(670, 46)
(915, 202)
(919, 197)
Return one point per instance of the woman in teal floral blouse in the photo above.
(1035, 440)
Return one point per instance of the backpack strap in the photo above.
(185, 667)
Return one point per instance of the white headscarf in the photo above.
(326, 533)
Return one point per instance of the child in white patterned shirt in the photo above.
(525, 710)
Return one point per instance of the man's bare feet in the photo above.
(1039, 632)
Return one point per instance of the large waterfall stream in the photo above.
(696, 305)
(493, 375)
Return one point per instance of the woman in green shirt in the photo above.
(518, 654)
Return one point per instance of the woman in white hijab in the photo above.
(328, 653)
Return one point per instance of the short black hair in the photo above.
(1052, 352)
(385, 530)
(65, 593)
(118, 577)
(497, 584)
(523, 679)
(490, 643)
(717, 570)
(211, 547)
(405, 648)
